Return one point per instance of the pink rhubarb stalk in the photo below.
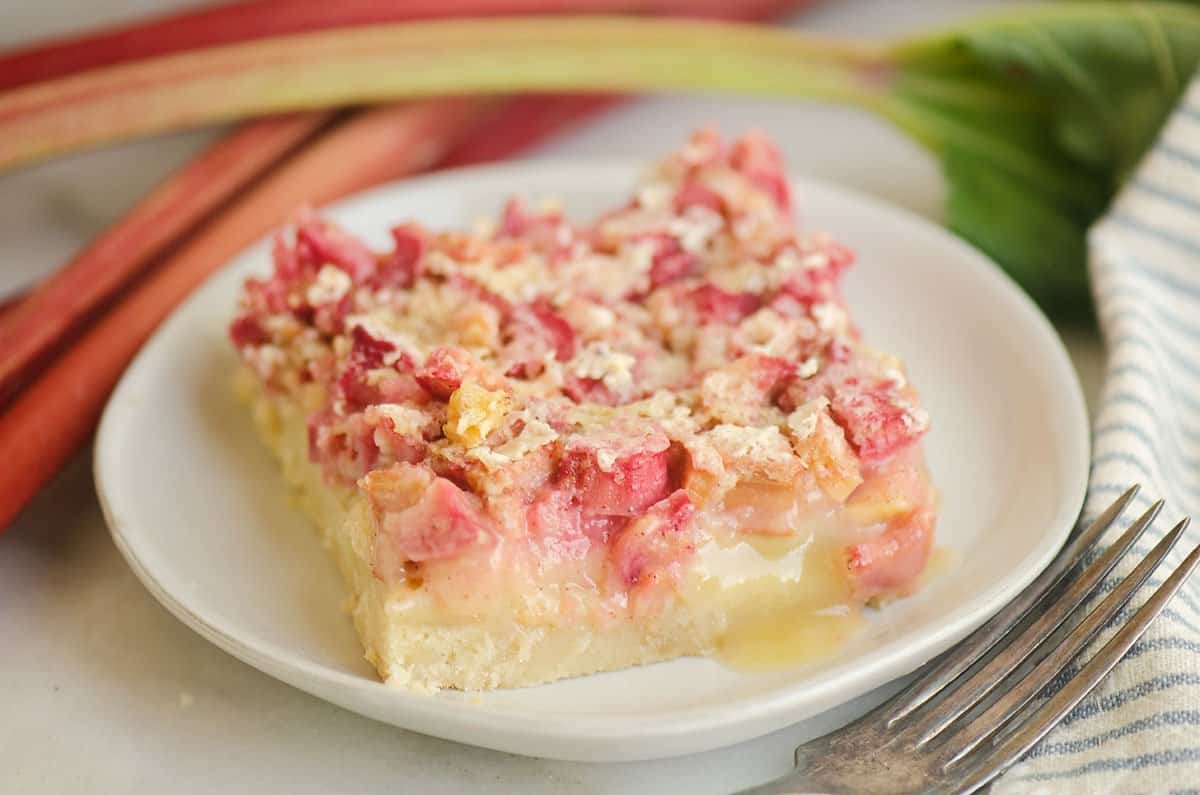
(379, 62)
(522, 121)
(35, 325)
(242, 21)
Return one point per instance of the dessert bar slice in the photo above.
(547, 449)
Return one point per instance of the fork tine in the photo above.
(971, 690)
(1022, 692)
(969, 651)
(999, 758)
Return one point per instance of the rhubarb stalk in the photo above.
(56, 413)
(242, 21)
(9, 303)
(42, 320)
(375, 63)
(522, 121)
(1037, 115)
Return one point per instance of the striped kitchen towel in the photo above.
(1140, 730)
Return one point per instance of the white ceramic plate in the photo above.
(199, 511)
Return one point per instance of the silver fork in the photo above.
(973, 713)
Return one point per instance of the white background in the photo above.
(101, 690)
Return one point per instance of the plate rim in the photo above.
(684, 729)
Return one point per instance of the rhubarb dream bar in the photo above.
(546, 449)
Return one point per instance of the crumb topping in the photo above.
(691, 329)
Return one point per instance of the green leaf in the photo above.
(1086, 87)
(1034, 238)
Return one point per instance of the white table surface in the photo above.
(104, 691)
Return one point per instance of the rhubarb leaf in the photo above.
(1038, 119)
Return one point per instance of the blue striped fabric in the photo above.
(1140, 730)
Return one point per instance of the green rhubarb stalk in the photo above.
(1036, 115)
(229, 22)
(378, 62)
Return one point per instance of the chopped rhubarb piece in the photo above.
(556, 518)
(817, 278)
(557, 331)
(248, 331)
(555, 521)
(354, 388)
(767, 373)
(396, 442)
(345, 447)
(589, 390)
(330, 318)
(809, 287)
(368, 350)
(444, 371)
(670, 262)
(514, 220)
(693, 194)
(397, 387)
(533, 333)
(266, 296)
(891, 561)
(714, 305)
(544, 232)
(360, 386)
(554, 512)
(612, 481)
(320, 242)
(878, 421)
(653, 546)
(756, 157)
(420, 517)
(402, 268)
(285, 258)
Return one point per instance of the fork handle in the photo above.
(844, 763)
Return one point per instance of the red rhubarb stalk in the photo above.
(55, 309)
(522, 121)
(56, 412)
(231, 23)
(10, 302)
(418, 59)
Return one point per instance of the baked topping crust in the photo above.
(606, 398)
